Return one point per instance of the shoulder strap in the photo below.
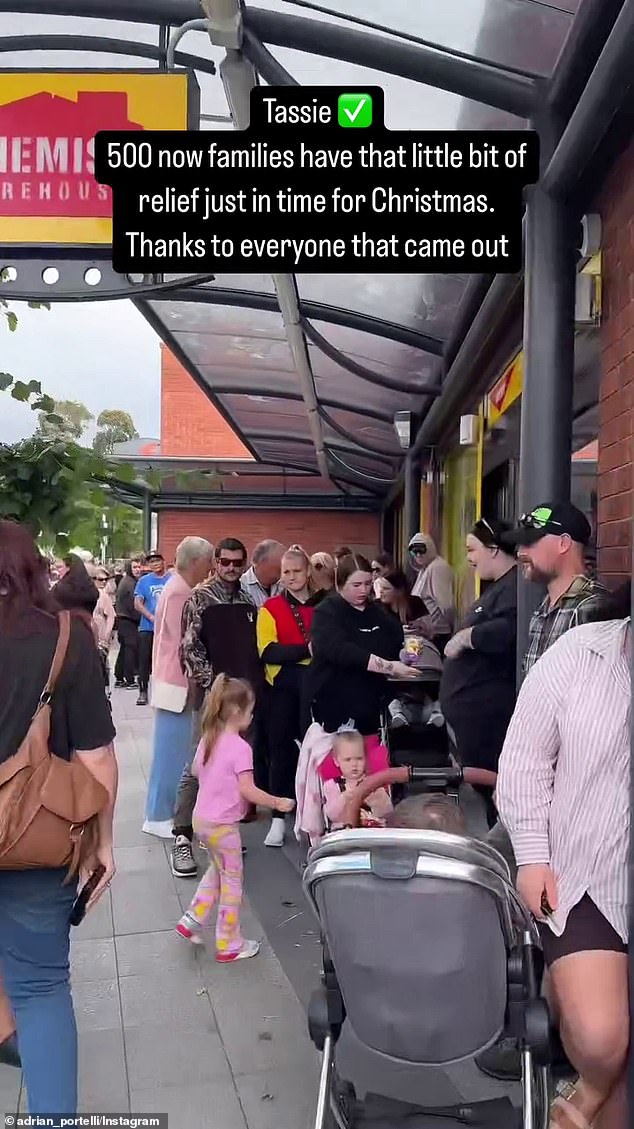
(63, 620)
(298, 619)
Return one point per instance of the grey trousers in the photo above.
(187, 790)
(499, 839)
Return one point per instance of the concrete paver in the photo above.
(164, 1029)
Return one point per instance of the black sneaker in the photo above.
(9, 1053)
(142, 698)
(183, 862)
(120, 684)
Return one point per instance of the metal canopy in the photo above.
(313, 393)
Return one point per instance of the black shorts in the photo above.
(586, 930)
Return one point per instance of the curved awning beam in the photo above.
(362, 371)
(320, 311)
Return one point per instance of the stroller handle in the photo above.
(438, 778)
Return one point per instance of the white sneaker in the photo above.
(163, 829)
(275, 837)
(249, 949)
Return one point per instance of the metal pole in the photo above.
(608, 90)
(549, 341)
(147, 522)
(411, 515)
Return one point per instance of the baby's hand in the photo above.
(283, 804)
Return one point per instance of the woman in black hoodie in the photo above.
(125, 670)
(355, 644)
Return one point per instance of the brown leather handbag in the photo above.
(48, 806)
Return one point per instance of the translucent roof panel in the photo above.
(408, 104)
(425, 302)
(523, 34)
(380, 355)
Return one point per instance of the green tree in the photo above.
(113, 426)
(66, 423)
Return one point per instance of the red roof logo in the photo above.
(499, 390)
(47, 153)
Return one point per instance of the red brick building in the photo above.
(192, 427)
(616, 205)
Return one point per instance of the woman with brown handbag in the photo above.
(58, 780)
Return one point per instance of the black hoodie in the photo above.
(124, 599)
(343, 638)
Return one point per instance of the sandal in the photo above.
(565, 1115)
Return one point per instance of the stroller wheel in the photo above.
(344, 1102)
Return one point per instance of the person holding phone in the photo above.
(36, 905)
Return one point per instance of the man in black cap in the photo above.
(551, 544)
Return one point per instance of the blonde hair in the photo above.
(226, 697)
(346, 737)
(323, 562)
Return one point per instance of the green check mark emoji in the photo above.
(354, 111)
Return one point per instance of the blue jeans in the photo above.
(34, 950)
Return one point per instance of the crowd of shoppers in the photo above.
(239, 660)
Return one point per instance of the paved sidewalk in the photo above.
(162, 1028)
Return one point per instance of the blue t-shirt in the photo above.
(148, 589)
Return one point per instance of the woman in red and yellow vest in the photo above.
(283, 631)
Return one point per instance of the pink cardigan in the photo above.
(169, 683)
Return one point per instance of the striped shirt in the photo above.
(563, 790)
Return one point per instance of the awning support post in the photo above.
(147, 522)
(549, 345)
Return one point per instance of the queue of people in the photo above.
(262, 672)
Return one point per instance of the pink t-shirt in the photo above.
(219, 799)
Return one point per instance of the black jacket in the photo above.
(491, 665)
(124, 599)
(343, 638)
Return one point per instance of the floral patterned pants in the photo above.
(221, 883)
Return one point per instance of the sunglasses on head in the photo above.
(226, 562)
(538, 519)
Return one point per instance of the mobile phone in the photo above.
(546, 907)
(78, 911)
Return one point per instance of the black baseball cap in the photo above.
(555, 518)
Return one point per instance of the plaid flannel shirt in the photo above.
(584, 601)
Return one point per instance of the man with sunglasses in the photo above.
(218, 635)
(551, 542)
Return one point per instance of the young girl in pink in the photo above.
(224, 766)
(348, 750)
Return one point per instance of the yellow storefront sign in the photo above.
(506, 390)
(48, 122)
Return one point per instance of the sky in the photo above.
(102, 353)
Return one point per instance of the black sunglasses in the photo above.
(226, 562)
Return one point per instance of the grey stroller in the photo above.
(428, 958)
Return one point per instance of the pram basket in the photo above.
(429, 956)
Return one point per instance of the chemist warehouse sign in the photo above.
(48, 122)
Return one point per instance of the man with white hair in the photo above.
(262, 580)
(170, 691)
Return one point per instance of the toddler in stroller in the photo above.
(350, 758)
(428, 957)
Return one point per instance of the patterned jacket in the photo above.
(193, 653)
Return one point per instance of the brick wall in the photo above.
(616, 400)
(190, 424)
(314, 531)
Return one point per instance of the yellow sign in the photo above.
(48, 122)
(506, 390)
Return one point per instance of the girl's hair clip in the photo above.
(348, 727)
